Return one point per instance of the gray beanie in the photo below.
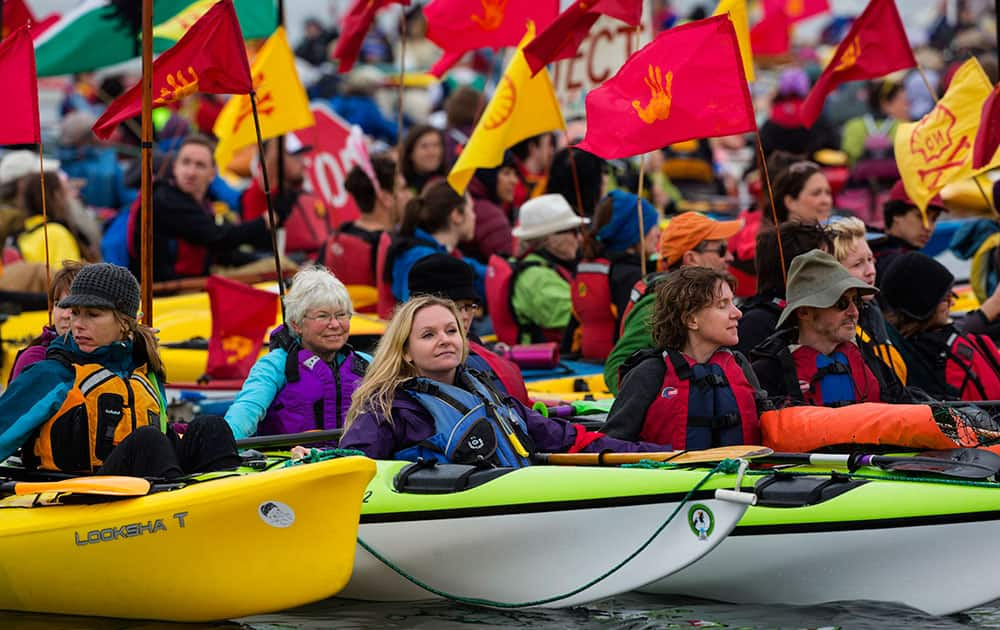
(104, 285)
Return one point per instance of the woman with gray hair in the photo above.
(307, 379)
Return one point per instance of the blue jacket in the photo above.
(41, 390)
(404, 261)
(364, 112)
(105, 179)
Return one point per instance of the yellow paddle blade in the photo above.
(107, 486)
(742, 451)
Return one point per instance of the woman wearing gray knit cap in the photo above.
(96, 404)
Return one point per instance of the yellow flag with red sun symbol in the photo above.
(522, 106)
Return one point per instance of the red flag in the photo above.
(210, 57)
(988, 136)
(771, 36)
(563, 36)
(797, 10)
(241, 316)
(356, 24)
(875, 46)
(687, 83)
(490, 24)
(19, 107)
(15, 15)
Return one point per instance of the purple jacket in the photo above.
(412, 423)
(32, 354)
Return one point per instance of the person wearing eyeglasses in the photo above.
(549, 233)
(942, 358)
(306, 380)
(447, 277)
(813, 358)
(689, 240)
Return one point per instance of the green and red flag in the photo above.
(456, 29)
(356, 24)
(875, 46)
(687, 83)
(211, 57)
(562, 38)
(90, 37)
(19, 107)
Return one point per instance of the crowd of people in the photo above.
(702, 322)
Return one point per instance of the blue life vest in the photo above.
(474, 424)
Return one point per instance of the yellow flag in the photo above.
(175, 27)
(737, 10)
(937, 149)
(282, 103)
(522, 106)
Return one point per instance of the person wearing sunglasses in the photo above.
(306, 381)
(850, 247)
(943, 358)
(813, 358)
(689, 240)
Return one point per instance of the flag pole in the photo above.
(770, 197)
(638, 208)
(576, 179)
(273, 228)
(399, 114)
(146, 191)
(281, 138)
(45, 231)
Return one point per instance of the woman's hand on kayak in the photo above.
(298, 452)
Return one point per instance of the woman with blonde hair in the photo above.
(96, 404)
(419, 400)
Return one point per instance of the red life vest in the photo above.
(500, 278)
(810, 378)
(677, 416)
(642, 288)
(507, 371)
(348, 257)
(386, 301)
(190, 260)
(592, 305)
(967, 364)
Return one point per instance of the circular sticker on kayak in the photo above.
(701, 520)
(276, 513)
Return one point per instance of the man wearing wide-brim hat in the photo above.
(813, 357)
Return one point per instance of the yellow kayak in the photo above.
(230, 547)
(567, 388)
(179, 318)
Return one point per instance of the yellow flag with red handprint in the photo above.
(687, 83)
(522, 106)
(282, 103)
(937, 149)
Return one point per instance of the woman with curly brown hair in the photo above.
(692, 392)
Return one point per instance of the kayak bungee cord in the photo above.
(726, 466)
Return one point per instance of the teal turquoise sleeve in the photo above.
(31, 400)
(266, 378)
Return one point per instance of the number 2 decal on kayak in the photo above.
(701, 520)
(276, 513)
(368, 495)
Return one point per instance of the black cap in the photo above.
(104, 285)
(914, 284)
(444, 276)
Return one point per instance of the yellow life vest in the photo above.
(887, 353)
(100, 410)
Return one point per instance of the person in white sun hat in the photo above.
(549, 233)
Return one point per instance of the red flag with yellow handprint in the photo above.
(563, 36)
(19, 119)
(875, 46)
(237, 332)
(687, 83)
(458, 26)
(797, 10)
(210, 57)
(356, 23)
